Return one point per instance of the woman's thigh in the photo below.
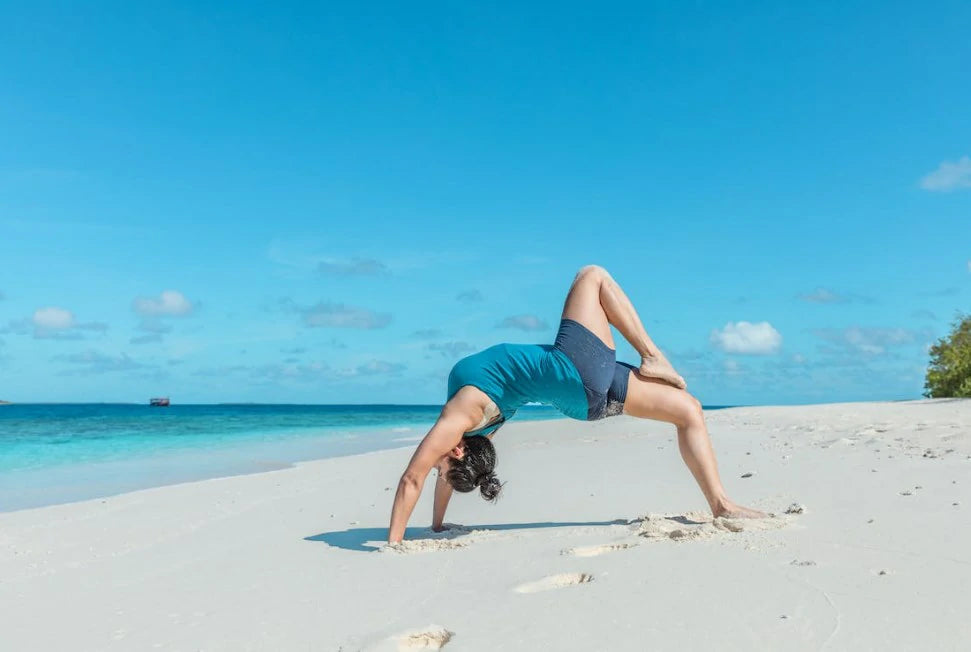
(583, 306)
(650, 398)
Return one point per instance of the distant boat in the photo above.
(159, 402)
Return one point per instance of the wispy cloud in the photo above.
(869, 341)
(338, 315)
(747, 338)
(732, 367)
(451, 349)
(949, 176)
(375, 368)
(353, 267)
(823, 295)
(427, 333)
(307, 372)
(301, 373)
(923, 314)
(469, 296)
(150, 338)
(943, 292)
(4, 296)
(523, 323)
(93, 362)
(155, 326)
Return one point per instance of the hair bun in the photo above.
(489, 486)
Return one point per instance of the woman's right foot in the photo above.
(662, 370)
(731, 510)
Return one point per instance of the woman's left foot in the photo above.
(662, 370)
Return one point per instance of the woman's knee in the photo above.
(592, 272)
(691, 411)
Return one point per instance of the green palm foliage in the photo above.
(949, 373)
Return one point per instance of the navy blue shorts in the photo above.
(604, 379)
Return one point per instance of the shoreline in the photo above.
(391, 445)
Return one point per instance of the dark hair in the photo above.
(475, 469)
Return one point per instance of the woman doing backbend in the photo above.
(578, 375)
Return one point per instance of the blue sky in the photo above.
(332, 203)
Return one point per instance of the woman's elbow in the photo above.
(410, 480)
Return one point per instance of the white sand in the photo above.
(880, 558)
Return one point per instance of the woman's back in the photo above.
(515, 374)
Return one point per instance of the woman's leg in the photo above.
(650, 399)
(597, 301)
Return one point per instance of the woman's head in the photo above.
(474, 468)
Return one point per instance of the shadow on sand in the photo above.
(356, 538)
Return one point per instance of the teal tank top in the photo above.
(515, 374)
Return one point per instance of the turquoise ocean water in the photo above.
(62, 453)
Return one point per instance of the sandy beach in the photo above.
(600, 541)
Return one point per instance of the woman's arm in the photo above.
(445, 435)
(443, 491)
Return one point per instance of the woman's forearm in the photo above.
(443, 492)
(409, 489)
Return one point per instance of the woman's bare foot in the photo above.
(728, 509)
(662, 370)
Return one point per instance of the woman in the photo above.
(580, 376)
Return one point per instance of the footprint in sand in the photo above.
(593, 551)
(432, 637)
(695, 525)
(554, 582)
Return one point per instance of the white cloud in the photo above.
(748, 338)
(170, 303)
(53, 319)
(523, 323)
(56, 323)
(969, 266)
(949, 176)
